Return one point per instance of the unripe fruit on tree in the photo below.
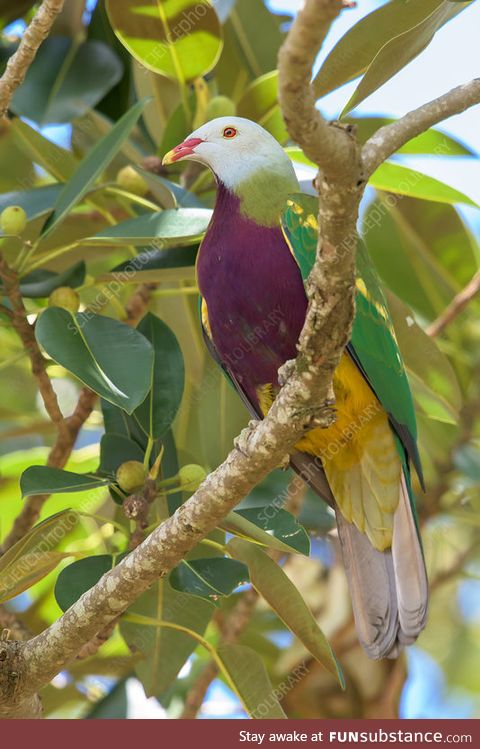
(131, 181)
(191, 476)
(220, 106)
(65, 297)
(13, 220)
(130, 475)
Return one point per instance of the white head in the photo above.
(246, 159)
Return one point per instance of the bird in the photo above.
(251, 269)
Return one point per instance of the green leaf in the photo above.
(174, 257)
(46, 480)
(269, 526)
(253, 36)
(284, 598)
(40, 283)
(432, 377)
(57, 161)
(74, 580)
(168, 228)
(159, 409)
(163, 188)
(66, 79)
(386, 38)
(430, 142)
(93, 165)
(247, 676)
(108, 356)
(181, 39)
(165, 650)
(209, 578)
(416, 247)
(116, 449)
(260, 103)
(404, 47)
(399, 179)
(34, 556)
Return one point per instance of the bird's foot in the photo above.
(286, 371)
(285, 462)
(242, 441)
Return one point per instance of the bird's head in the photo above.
(245, 159)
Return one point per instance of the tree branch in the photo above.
(21, 60)
(387, 140)
(458, 303)
(304, 402)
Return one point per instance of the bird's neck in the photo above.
(261, 196)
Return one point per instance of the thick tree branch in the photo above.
(21, 60)
(327, 144)
(387, 140)
(458, 303)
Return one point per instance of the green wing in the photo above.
(373, 345)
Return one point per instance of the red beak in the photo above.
(183, 149)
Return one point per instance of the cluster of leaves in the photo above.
(132, 85)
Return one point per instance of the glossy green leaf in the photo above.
(165, 229)
(74, 580)
(181, 39)
(253, 37)
(162, 188)
(260, 103)
(432, 141)
(248, 677)
(66, 79)
(158, 410)
(432, 377)
(387, 38)
(403, 48)
(92, 166)
(269, 526)
(17, 168)
(34, 556)
(175, 257)
(165, 650)
(116, 449)
(47, 480)
(399, 179)
(416, 246)
(282, 595)
(56, 160)
(108, 356)
(40, 283)
(209, 578)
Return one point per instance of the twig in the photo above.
(21, 60)
(387, 140)
(458, 303)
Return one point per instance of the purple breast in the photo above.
(254, 294)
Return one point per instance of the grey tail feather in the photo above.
(389, 589)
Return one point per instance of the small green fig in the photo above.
(130, 475)
(191, 476)
(13, 220)
(65, 297)
(220, 106)
(131, 181)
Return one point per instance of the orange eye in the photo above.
(229, 132)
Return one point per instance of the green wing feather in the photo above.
(373, 345)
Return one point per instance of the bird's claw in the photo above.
(241, 442)
(286, 371)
